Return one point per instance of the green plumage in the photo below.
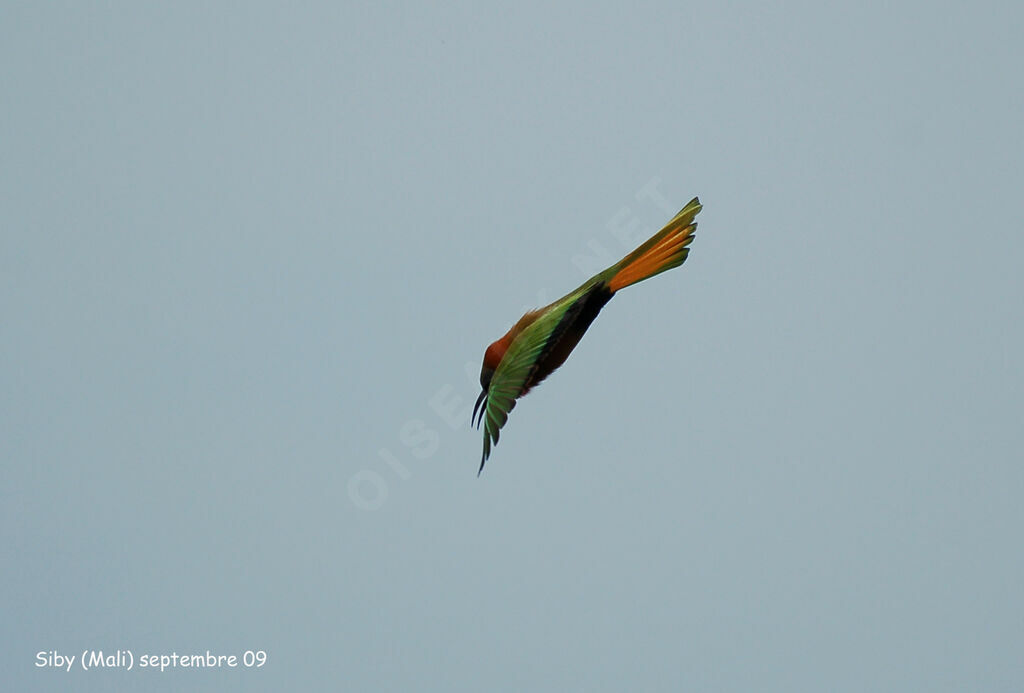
(520, 359)
(552, 332)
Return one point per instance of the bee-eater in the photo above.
(542, 339)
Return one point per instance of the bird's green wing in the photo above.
(516, 366)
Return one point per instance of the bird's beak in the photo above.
(481, 400)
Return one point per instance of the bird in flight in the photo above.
(542, 339)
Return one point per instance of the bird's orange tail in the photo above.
(666, 249)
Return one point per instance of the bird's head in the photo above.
(492, 357)
(486, 373)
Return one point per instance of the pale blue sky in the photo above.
(247, 251)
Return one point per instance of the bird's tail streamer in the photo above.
(664, 250)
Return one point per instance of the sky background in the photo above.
(250, 258)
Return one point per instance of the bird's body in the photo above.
(542, 339)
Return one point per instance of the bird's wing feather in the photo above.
(515, 367)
